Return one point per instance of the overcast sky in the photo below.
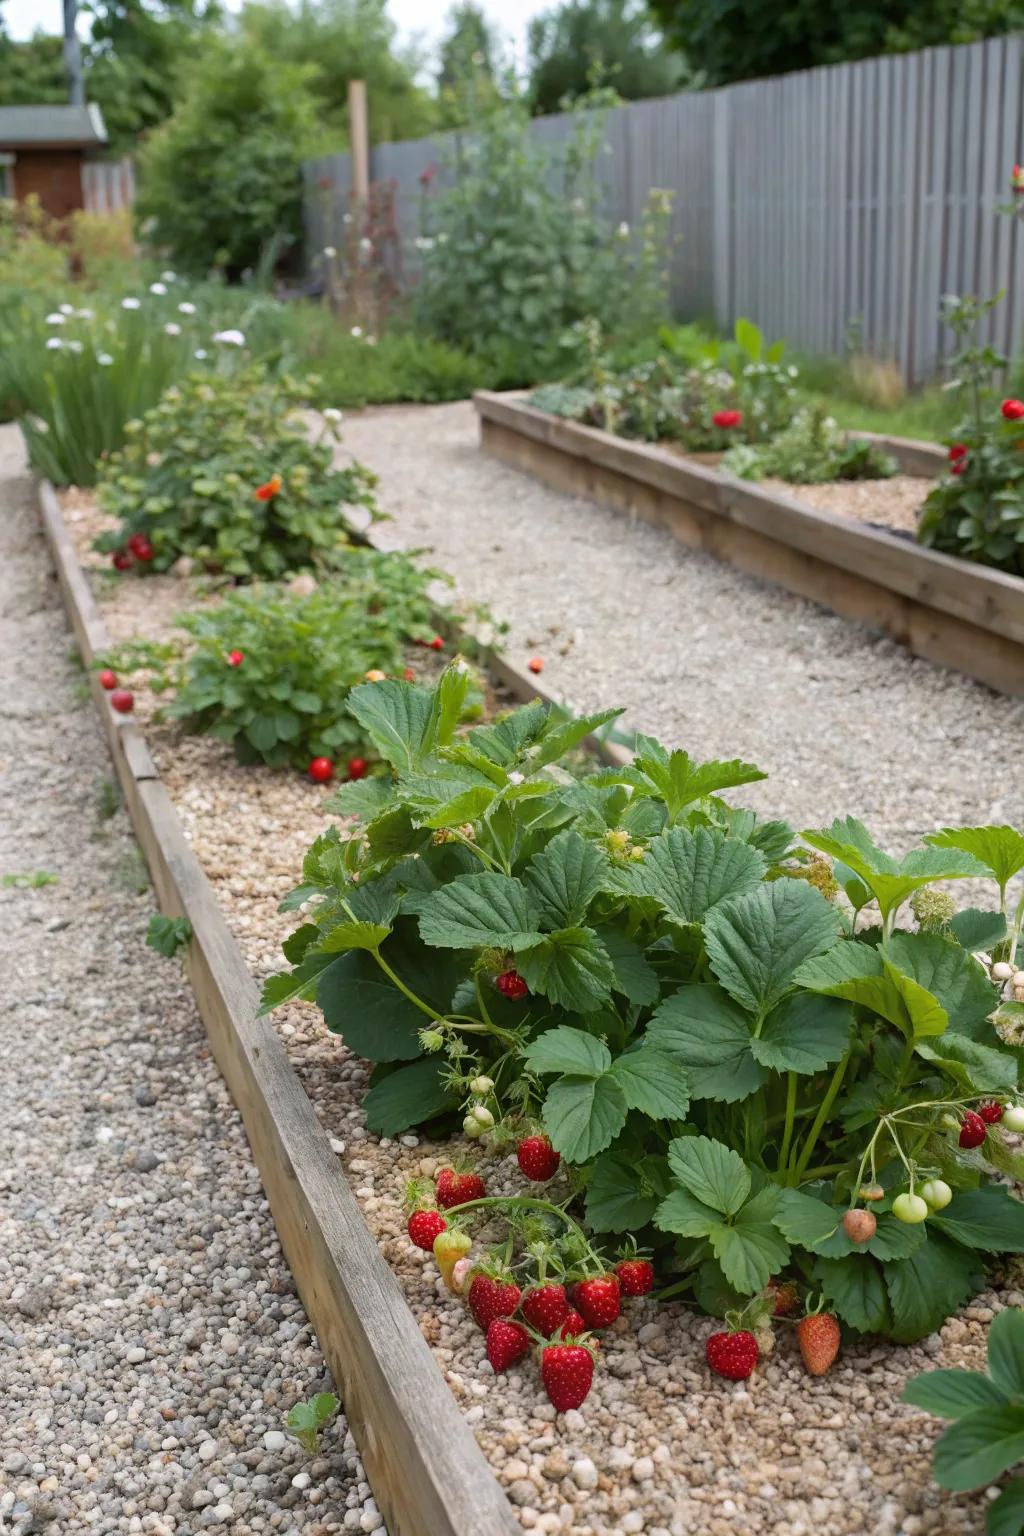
(425, 18)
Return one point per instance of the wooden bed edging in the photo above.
(947, 610)
(427, 1472)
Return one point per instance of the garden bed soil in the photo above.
(660, 1446)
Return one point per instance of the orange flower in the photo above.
(270, 489)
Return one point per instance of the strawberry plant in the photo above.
(271, 670)
(977, 508)
(731, 1036)
(811, 450)
(986, 1436)
(223, 471)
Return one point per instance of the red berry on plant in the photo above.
(357, 767)
(511, 985)
(957, 451)
(567, 1371)
(437, 644)
(973, 1129)
(108, 679)
(859, 1225)
(1013, 410)
(457, 1188)
(785, 1296)
(506, 1343)
(140, 547)
(599, 1301)
(424, 1227)
(728, 419)
(235, 658)
(321, 770)
(536, 1157)
(546, 1308)
(536, 664)
(490, 1297)
(819, 1339)
(636, 1276)
(732, 1354)
(121, 560)
(123, 700)
(571, 1326)
(991, 1112)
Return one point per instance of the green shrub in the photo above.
(223, 471)
(521, 246)
(271, 671)
(812, 450)
(976, 510)
(735, 1039)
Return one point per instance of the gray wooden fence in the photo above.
(108, 185)
(856, 193)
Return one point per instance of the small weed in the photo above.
(168, 934)
(33, 881)
(132, 872)
(108, 799)
(306, 1420)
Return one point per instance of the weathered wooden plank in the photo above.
(423, 1463)
(962, 615)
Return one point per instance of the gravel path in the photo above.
(842, 720)
(151, 1340)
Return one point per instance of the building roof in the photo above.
(63, 127)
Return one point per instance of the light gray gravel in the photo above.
(151, 1341)
(843, 721)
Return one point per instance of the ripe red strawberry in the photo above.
(424, 1227)
(732, 1354)
(123, 700)
(357, 767)
(636, 1276)
(1013, 410)
(536, 664)
(140, 547)
(973, 1129)
(567, 1371)
(991, 1112)
(235, 658)
(818, 1337)
(537, 1158)
(546, 1308)
(506, 1343)
(728, 419)
(599, 1301)
(456, 1188)
(490, 1297)
(121, 560)
(511, 985)
(321, 769)
(108, 679)
(437, 644)
(571, 1326)
(785, 1295)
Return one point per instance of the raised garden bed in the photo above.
(947, 610)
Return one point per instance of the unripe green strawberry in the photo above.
(1013, 1117)
(936, 1193)
(910, 1209)
(449, 1247)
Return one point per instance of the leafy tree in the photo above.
(466, 78)
(343, 40)
(137, 55)
(611, 42)
(32, 72)
(220, 179)
(727, 40)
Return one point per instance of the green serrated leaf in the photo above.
(709, 1034)
(570, 968)
(950, 1394)
(710, 1170)
(990, 1219)
(685, 1215)
(653, 1082)
(803, 1034)
(690, 873)
(999, 848)
(757, 942)
(926, 1287)
(751, 1250)
(615, 1201)
(564, 1049)
(1006, 1515)
(408, 1096)
(565, 877)
(479, 911)
(979, 1447)
(169, 934)
(855, 1287)
(583, 1115)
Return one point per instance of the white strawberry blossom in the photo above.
(158, 288)
(171, 329)
(186, 308)
(55, 319)
(515, 777)
(331, 414)
(53, 344)
(230, 338)
(201, 354)
(104, 359)
(67, 309)
(131, 303)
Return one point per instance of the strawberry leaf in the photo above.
(952, 1393)
(565, 877)
(570, 968)
(564, 1049)
(652, 1082)
(407, 1096)
(477, 911)
(757, 942)
(751, 1250)
(978, 1448)
(1000, 849)
(989, 1218)
(926, 1287)
(690, 873)
(854, 1287)
(803, 1034)
(583, 1115)
(710, 1170)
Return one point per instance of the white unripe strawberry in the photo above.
(481, 1085)
(1013, 1117)
(937, 1194)
(909, 1208)
(482, 1115)
(1001, 971)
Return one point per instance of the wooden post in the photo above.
(359, 136)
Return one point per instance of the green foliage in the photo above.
(976, 510)
(613, 43)
(168, 934)
(30, 258)
(220, 180)
(306, 1420)
(77, 375)
(285, 702)
(137, 57)
(725, 40)
(196, 477)
(813, 449)
(986, 1437)
(521, 247)
(710, 1031)
(35, 880)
